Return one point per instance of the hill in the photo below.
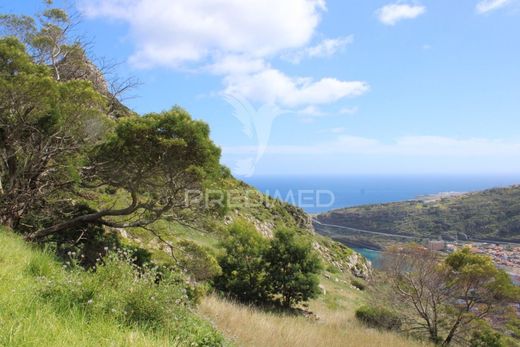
(42, 303)
(492, 214)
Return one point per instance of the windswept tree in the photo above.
(444, 299)
(149, 163)
(59, 148)
(46, 127)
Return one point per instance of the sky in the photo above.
(315, 87)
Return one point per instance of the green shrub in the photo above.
(281, 271)
(358, 284)
(243, 269)
(485, 336)
(198, 261)
(145, 297)
(292, 268)
(378, 317)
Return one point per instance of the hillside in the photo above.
(44, 304)
(492, 214)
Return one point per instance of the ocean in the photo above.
(317, 194)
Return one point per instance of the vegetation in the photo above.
(112, 194)
(243, 267)
(292, 268)
(492, 215)
(43, 303)
(256, 270)
(357, 283)
(249, 326)
(444, 299)
(378, 317)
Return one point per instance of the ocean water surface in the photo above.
(317, 194)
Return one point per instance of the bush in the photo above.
(358, 284)
(243, 269)
(145, 297)
(292, 268)
(486, 337)
(198, 261)
(378, 317)
(254, 270)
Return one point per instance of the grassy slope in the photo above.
(28, 320)
(336, 325)
(492, 214)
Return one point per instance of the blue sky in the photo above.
(358, 87)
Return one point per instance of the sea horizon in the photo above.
(322, 193)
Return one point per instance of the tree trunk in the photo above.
(450, 336)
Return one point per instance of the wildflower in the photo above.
(90, 301)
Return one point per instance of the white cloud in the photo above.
(485, 6)
(235, 39)
(311, 111)
(418, 146)
(274, 87)
(170, 33)
(392, 13)
(325, 48)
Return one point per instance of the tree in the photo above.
(47, 38)
(478, 289)
(443, 298)
(149, 162)
(243, 268)
(45, 128)
(60, 148)
(292, 268)
(50, 40)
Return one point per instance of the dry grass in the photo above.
(250, 327)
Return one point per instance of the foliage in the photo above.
(378, 317)
(198, 261)
(45, 127)
(154, 159)
(243, 267)
(486, 337)
(292, 268)
(491, 215)
(256, 270)
(44, 303)
(358, 284)
(444, 299)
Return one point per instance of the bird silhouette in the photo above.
(256, 124)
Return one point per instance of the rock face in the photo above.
(353, 263)
(77, 66)
(359, 266)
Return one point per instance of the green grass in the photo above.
(44, 304)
